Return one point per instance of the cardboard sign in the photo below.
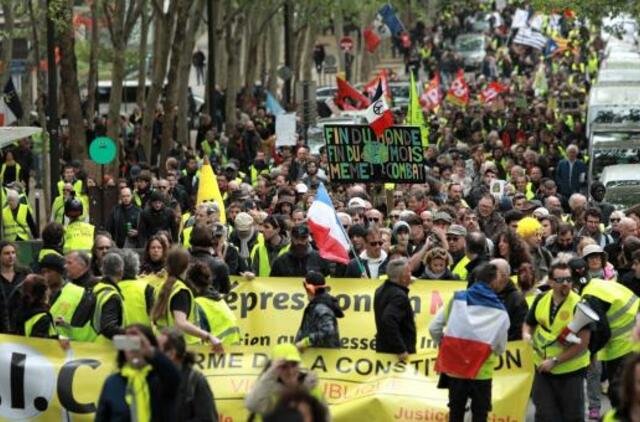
(356, 155)
(286, 129)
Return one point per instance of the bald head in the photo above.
(627, 227)
(504, 272)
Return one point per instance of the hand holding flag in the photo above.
(378, 114)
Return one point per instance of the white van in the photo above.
(129, 96)
(613, 105)
(618, 77)
(611, 145)
(623, 185)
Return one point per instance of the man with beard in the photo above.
(155, 218)
(563, 241)
(301, 258)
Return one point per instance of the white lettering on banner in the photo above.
(28, 383)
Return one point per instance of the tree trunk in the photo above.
(338, 27)
(117, 69)
(275, 41)
(233, 39)
(145, 19)
(7, 43)
(92, 83)
(185, 68)
(307, 64)
(250, 65)
(297, 59)
(69, 82)
(161, 42)
(169, 120)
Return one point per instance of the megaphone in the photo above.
(584, 315)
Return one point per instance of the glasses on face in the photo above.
(563, 280)
(163, 187)
(394, 216)
(103, 248)
(373, 219)
(614, 220)
(376, 243)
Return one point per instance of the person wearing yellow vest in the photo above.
(617, 306)
(259, 167)
(213, 313)
(469, 346)
(108, 314)
(145, 385)
(283, 372)
(174, 305)
(456, 246)
(36, 319)
(17, 221)
(69, 176)
(52, 236)
(206, 213)
(10, 171)
(269, 247)
(629, 406)
(137, 293)
(558, 386)
(78, 235)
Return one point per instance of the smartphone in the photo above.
(126, 343)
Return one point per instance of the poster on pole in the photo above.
(286, 129)
(356, 155)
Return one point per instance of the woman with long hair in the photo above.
(511, 247)
(36, 319)
(154, 260)
(174, 304)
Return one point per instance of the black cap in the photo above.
(73, 207)
(300, 231)
(578, 270)
(315, 278)
(218, 229)
(357, 230)
(156, 195)
(53, 261)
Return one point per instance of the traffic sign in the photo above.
(346, 43)
(102, 150)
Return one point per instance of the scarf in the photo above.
(244, 244)
(137, 393)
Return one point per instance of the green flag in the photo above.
(415, 117)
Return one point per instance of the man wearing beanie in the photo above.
(156, 217)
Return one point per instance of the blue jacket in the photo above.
(578, 177)
(164, 381)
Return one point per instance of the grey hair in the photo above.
(12, 194)
(395, 268)
(345, 216)
(113, 264)
(82, 256)
(502, 265)
(131, 264)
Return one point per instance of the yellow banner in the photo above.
(41, 382)
(269, 310)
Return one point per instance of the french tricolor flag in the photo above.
(326, 229)
(378, 114)
(477, 325)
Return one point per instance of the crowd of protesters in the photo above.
(519, 244)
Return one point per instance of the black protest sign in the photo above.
(356, 155)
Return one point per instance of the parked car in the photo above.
(471, 47)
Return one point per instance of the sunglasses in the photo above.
(563, 280)
(373, 219)
(395, 217)
(376, 243)
(614, 220)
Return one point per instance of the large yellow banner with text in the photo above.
(269, 310)
(41, 382)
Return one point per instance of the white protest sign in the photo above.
(286, 129)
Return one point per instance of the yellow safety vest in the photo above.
(215, 317)
(103, 292)
(621, 316)
(186, 237)
(17, 227)
(78, 236)
(546, 333)
(460, 268)
(47, 251)
(167, 320)
(135, 301)
(28, 325)
(154, 279)
(77, 187)
(4, 167)
(530, 194)
(255, 173)
(260, 252)
(65, 307)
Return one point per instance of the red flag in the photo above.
(371, 86)
(378, 114)
(459, 91)
(349, 96)
(491, 92)
(371, 39)
(432, 95)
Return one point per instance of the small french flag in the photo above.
(378, 114)
(326, 229)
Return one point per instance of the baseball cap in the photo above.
(287, 352)
(401, 225)
(442, 216)
(315, 278)
(301, 188)
(456, 230)
(356, 203)
(54, 262)
(591, 250)
(243, 222)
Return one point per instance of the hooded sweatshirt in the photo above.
(320, 322)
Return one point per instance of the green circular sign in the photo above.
(102, 150)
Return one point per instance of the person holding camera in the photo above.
(146, 384)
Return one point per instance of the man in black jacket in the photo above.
(395, 320)
(512, 299)
(301, 258)
(123, 221)
(155, 218)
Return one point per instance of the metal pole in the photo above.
(286, 97)
(52, 105)
(211, 66)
